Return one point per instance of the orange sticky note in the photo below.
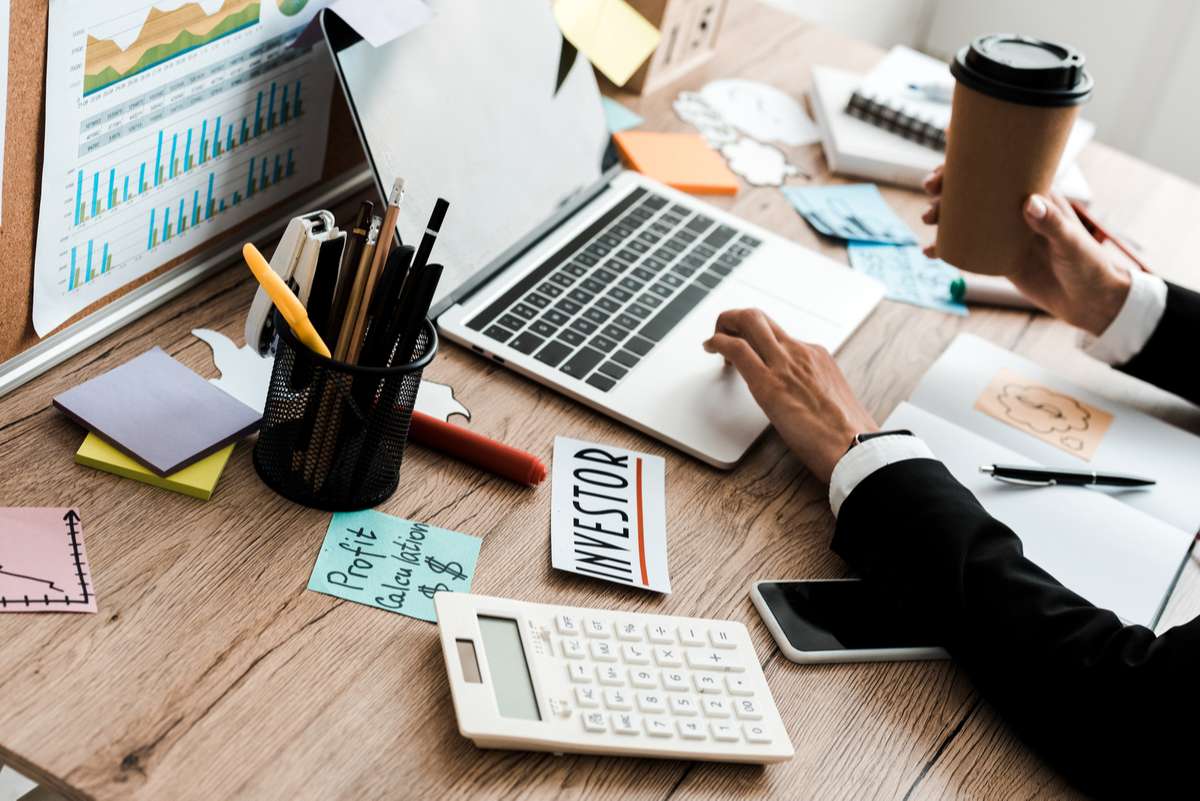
(683, 161)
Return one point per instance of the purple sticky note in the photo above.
(159, 412)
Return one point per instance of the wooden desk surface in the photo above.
(211, 673)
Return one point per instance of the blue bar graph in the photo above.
(158, 160)
(95, 194)
(203, 141)
(112, 188)
(88, 274)
(104, 259)
(150, 236)
(216, 151)
(79, 198)
(166, 224)
(141, 187)
(264, 183)
(271, 109)
(208, 200)
(187, 152)
(258, 115)
(125, 191)
(71, 280)
(250, 179)
(196, 207)
(180, 227)
(229, 141)
(174, 140)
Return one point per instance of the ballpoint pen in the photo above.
(1057, 476)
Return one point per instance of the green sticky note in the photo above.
(394, 564)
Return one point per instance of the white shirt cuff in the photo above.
(1131, 329)
(863, 460)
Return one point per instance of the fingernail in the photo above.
(1036, 207)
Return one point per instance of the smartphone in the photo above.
(838, 620)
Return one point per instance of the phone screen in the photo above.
(838, 616)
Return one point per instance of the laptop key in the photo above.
(543, 328)
(657, 265)
(729, 259)
(597, 316)
(622, 230)
(537, 301)
(608, 304)
(699, 223)
(593, 286)
(555, 318)
(638, 247)
(708, 280)
(526, 342)
(553, 353)
(652, 236)
(627, 256)
(704, 251)
(572, 338)
(604, 276)
(603, 343)
(642, 274)
(511, 322)
(638, 310)
(550, 290)
(609, 240)
(627, 321)
(614, 332)
(626, 359)
(662, 290)
(577, 270)
(716, 268)
(632, 284)
(672, 280)
(613, 370)
(579, 296)
(582, 362)
(749, 241)
(585, 259)
(597, 250)
(650, 301)
(567, 306)
(601, 382)
(524, 310)
(654, 202)
(583, 326)
(497, 333)
(720, 236)
(639, 345)
(562, 279)
(619, 294)
(670, 314)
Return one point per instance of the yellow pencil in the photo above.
(285, 300)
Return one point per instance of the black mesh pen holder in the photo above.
(333, 434)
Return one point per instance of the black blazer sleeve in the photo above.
(1168, 358)
(1112, 706)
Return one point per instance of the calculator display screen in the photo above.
(508, 668)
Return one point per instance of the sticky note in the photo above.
(1067, 423)
(608, 514)
(614, 37)
(158, 412)
(855, 212)
(43, 564)
(618, 117)
(197, 480)
(682, 160)
(909, 275)
(383, 561)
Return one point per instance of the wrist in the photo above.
(1102, 306)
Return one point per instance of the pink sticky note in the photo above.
(43, 565)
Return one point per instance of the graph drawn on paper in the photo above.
(43, 563)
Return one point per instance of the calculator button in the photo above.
(756, 733)
(610, 675)
(587, 697)
(566, 624)
(636, 654)
(579, 672)
(573, 648)
(691, 730)
(711, 659)
(626, 723)
(658, 727)
(595, 721)
(683, 705)
(725, 732)
(595, 627)
(675, 680)
(652, 702)
(659, 633)
(616, 698)
(722, 638)
(642, 678)
(692, 635)
(603, 651)
(668, 656)
(707, 683)
(746, 709)
(715, 707)
(629, 631)
(738, 685)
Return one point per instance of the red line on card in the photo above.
(641, 531)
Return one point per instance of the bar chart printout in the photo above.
(167, 124)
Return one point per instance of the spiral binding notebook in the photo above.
(885, 99)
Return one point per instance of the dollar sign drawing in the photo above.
(453, 568)
(429, 591)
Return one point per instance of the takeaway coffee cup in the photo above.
(1015, 102)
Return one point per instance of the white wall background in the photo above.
(1145, 56)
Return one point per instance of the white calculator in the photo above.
(538, 677)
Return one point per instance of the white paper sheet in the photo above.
(608, 516)
(167, 123)
(381, 21)
(1135, 443)
(1111, 554)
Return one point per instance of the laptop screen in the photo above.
(465, 108)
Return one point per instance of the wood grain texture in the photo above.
(210, 672)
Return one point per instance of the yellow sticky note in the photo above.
(614, 37)
(197, 480)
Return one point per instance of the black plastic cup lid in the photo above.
(1023, 70)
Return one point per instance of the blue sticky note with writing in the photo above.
(909, 275)
(855, 212)
(618, 117)
(386, 562)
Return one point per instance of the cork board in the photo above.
(25, 135)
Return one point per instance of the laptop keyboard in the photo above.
(599, 305)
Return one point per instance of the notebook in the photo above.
(857, 148)
(1120, 550)
(885, 100)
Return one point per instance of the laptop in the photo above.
(559, 264)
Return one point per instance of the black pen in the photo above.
(431, 232)
(1049, 477)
